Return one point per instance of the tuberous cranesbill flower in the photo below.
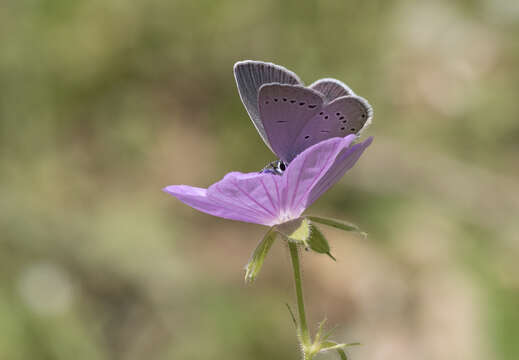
(278, 201)
(269, 199)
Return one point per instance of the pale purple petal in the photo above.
(316, 169)
(269, 199)
(307, 169)
(345, 161)
(249, 197)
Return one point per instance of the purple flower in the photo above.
(269, 199)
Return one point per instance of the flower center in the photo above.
(284, 217)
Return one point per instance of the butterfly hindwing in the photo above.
(341, 117)
(296, 117)
(331, 88)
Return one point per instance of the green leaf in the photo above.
(329, 333)
(332, 345)
(258, 257)
(339, 224)
(319, 333)
(327, 344)
(291, 314)
(317, 242)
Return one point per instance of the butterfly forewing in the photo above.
(250, 75)
(285, 111)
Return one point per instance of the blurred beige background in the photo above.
(104, 102)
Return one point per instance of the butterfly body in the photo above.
(276, 167)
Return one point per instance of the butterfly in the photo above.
(291, 117)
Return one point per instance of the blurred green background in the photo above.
(104, 102)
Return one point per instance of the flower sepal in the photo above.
(253, 268)
(303, 231)
(317, 242)
(296, 230)
(338, 224)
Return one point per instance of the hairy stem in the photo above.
(303, 326)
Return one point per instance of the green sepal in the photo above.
(317, 242)
(297, 230)
(338, 224)
(258, 256)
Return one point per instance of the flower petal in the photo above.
(251, 197)
(344, 162)
(306, 170)
(269, 199)
(313, 171)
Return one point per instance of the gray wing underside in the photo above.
(296, 117)
(286, 110)
(331, 88)
(250, 76)
(343, 116)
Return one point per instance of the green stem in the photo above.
(303, 327)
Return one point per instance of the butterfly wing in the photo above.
(341, 117)
(295, 117)
(285, 111)
(331, 88)
(250, 76)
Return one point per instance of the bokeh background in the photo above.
(104, 102)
